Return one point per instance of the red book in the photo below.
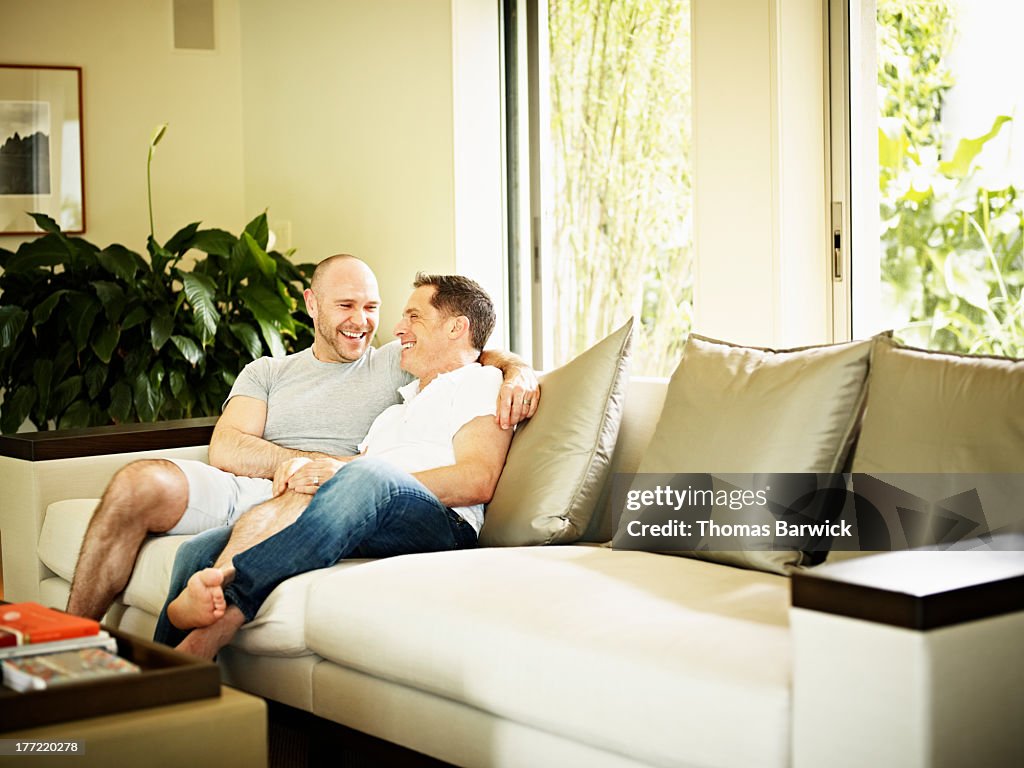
(22, 623)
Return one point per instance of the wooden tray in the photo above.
(168, 676)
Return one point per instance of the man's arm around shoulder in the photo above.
(520, 392)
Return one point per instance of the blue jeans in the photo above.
(368, 509)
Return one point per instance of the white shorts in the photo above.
(216, 498)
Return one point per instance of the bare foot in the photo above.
(205, 642)
(201, 603)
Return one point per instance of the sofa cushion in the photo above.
(734, 409)
(941, 413)
(60, 540)
(277, 630)
(559, 461)
(559, 637)
(751, 409)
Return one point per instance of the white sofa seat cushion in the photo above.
(560, 638)
(279, 628)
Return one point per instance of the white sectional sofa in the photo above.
(580, 654)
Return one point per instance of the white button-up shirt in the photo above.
(419, 433)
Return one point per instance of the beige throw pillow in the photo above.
(734, 409)
(941, 413)
(751, 409)
(559, 460)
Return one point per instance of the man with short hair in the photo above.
(274, 413)
(426, 469)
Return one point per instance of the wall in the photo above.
(133, 81)
(337, 120)
(348, 133)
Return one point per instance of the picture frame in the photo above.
(42, 163)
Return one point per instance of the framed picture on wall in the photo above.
(41, 161)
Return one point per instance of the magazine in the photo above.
(33, 673)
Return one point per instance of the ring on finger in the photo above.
(316, 479)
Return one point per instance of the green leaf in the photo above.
(82, 315)
(63, 359)
(66, 393)
(200, 291)
(119, 261)
(95, 378)
(964, 282)
(120, 402)
(968, 149)
(893, 144)
(181, 240)
(12, 320)
(264, 263)
(147, 398)
(266, 307)
(216, 242)
(111, 296)
(249, 337)
(42, 375)
(135, 317)
(105, 342)
(259, 230)
(189, 349)
(177, 381)
(45, 308)
(45, 223)
(47, 251)
(76, 416)
(158, 255)
(160, 330)
(15, 408)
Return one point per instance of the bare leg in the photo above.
(147, 496)
(207, 641)
(263, 521)
(201, 603)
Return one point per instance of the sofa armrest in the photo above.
(910, 658)
(39, 468)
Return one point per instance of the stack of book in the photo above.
(41, 647)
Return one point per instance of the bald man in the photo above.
(318, 403)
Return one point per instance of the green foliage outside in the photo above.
(92, 336)
(952, 246)
(620, 124)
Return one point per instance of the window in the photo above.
(937, 172)
(598, 99)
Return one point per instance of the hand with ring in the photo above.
(307, 479)
(518, 401)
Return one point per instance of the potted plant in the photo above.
(92, 336)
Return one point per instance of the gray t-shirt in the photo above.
(317, 406)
